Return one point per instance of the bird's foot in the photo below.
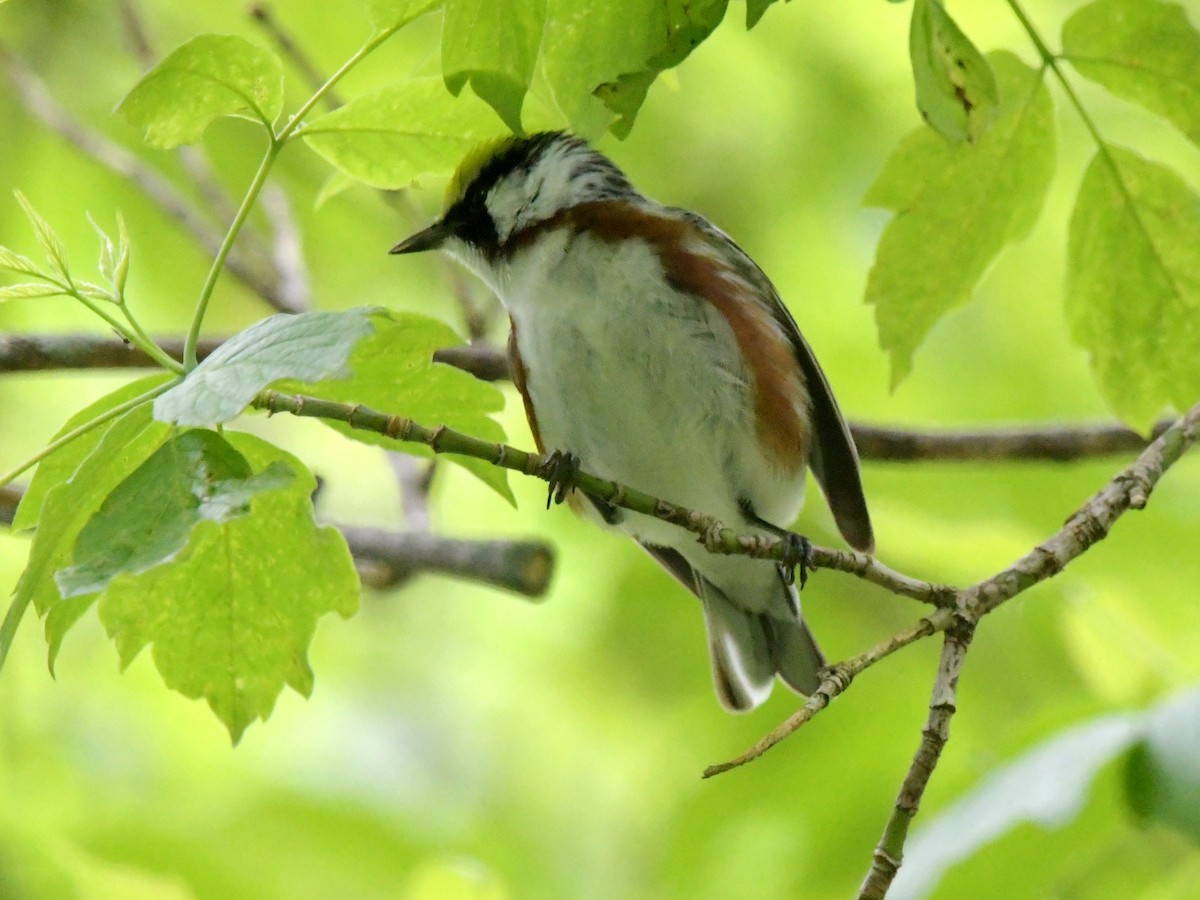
(561, 470)
(797, 557)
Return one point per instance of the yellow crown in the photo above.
(473, 164)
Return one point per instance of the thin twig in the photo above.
(834, 681)
(889, 851)
(39, 353)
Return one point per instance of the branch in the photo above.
(389, 558)
(39, 353)
(1056, 444)
(715, 536)
(942, 705)
(1128, 489)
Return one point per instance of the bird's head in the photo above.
(505, 187)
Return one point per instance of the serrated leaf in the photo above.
(1162, 772)
(1141, 50)
(108, 253)
(210, 76)
(1047, 785)
(393, 371)
(231, 617)
(68, 505)
(15, 262)
(493, 44)
(956, 90)
(55, 249)
(62, 463)
(956, 206)
(28, 291)
(391, 15)
(195, 476)
(308, 346)
(599, 59)
(1133, 284)
(391, 137)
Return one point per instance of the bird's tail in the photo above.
(750, 648)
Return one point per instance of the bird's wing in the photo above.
(832, 454)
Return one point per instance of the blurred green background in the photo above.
(462, 742)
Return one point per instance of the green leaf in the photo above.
(15, 262)
(956, 90)
(956, 207)
(755, 9)
(391, 137)
(1143, 51)
(62, 463)
(1133, 284)
(125, 445)
(392, 15)
(600, 59)
(56, 250)
(1162, 773)
(146, 520)
(232, 616)
(394, 372)
(210, 76)
(309, 346)
(493, 44)
(1047, 785)
(28, 291)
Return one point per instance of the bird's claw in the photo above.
(561, 470)
(797, 555)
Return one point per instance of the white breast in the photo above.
(643, 383)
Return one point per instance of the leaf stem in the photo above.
(277, 141)
(79, 431)
(239, 219)
(1050, 60)
(366, 49)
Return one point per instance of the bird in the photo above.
(650, 350)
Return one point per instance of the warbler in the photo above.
(652, 350)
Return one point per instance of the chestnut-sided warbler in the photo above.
(651, 349)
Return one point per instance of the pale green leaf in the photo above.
(62, 463)
(493, 44)
(210, 76)
(28, 290)
(67, 506)
(56, 250)
(309, 346)
(231, 617)
(391, 15)
(393, 371)
(391, 137)
(1133, 284)
(599, 59)
(146, 520)
(956, 206)
(108, 253)
(956, 90)
(1162, 774)
(15, 262)
(1142, 50)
